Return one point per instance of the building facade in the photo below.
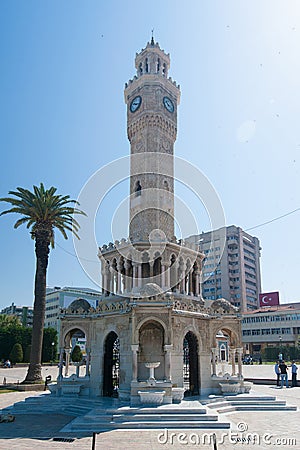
(231, 268)
(24, 313)
(58, 298)
(273, 326)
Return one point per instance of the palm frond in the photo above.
(44, 209)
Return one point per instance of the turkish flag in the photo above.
(269, 299)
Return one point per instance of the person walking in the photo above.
(294, 374)
(277, 371)
(283, 373)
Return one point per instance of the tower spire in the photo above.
(152, 38)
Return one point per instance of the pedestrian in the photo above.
(280, 357)
(294, 374)
(277, 371)
(283, 373)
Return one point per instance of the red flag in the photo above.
(269, 299)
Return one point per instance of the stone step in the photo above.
(163, 417)
(246, 403)
(173, 424)
(249, 397)
(101, 426)
(158, 410)
(230, 408)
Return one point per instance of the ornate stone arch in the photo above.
(151, 319)
(230, 330)
(68, 330)
(195, 331)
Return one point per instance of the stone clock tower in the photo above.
(151, 255)
(152, 99)
(151, 315)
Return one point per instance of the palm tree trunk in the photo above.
(42, 244)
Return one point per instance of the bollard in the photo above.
(94, 441)
(214, 441)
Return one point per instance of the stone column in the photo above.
(140, 275)
(119, 279)
(168, 276)
(240, 364)
(128, 281)
(87, 367)
(191, 283)
(167, 349)
(151, 264)
(163, 276)
(68, 353)
(197, 283)
(232, 357)
(61, 363)
(106, 280)
(112, 280)
(214, 352)
(135, 349)
(181, 278)
(135, 274)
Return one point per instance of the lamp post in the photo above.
(53, 343)
(280, 356)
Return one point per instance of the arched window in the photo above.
(166, 186)
(141, 68)
(158, 65)
(146, 65)
(138, 188)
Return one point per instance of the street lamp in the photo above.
(53, 343)
(280, 356)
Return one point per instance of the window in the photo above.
(265, 331)
(246, 332)
(138, 188)
(286, 330)
(255, 332)
(275, 331)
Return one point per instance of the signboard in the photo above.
(269, 299)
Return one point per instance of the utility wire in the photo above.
(273, 220)
(75, 256)
(248, 229)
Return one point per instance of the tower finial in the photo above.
(152, 39)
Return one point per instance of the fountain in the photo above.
(151, 366)
(152, 397)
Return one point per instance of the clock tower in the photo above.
(151, 257)
(152, 99)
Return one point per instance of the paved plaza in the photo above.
(265, 429)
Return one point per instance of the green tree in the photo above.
(43, 211)
(49, 350)
(26, 357)
(16, 354)
(7, 321)
(76, 355)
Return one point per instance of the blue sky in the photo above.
(63, 116)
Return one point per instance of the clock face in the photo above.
(168, 104)
(135, 104)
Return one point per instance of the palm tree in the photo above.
(9, 321)
(43, 211)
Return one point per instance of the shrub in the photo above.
(76, 355)
(16, 354)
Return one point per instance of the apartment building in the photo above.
(231, 267)
(24, 313)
